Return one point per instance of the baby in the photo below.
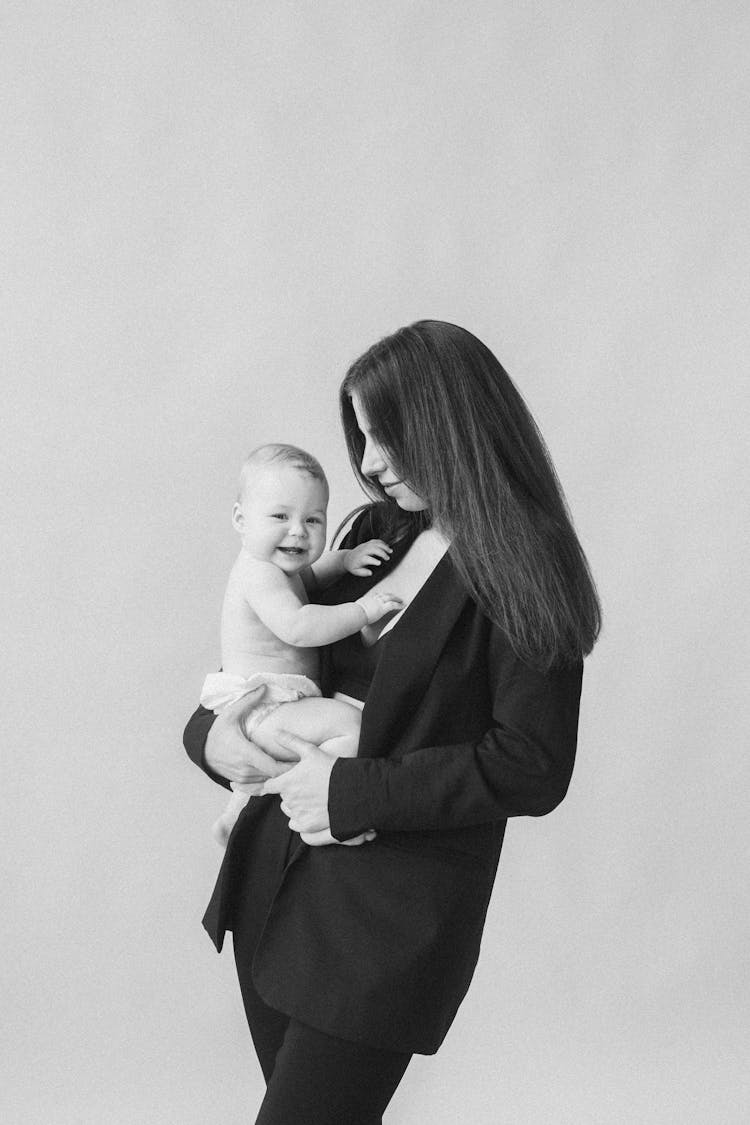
(269, 631)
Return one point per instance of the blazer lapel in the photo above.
(411, 651)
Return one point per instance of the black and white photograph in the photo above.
(376, 552)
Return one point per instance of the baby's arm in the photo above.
(272, 597)
(357, 560)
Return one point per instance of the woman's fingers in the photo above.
(231, 755)
(304, 788)
(320, 839)
(317, 839)
(272, 785)
(264, 736)
(299, 746)
(237, 712)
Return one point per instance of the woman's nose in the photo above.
(372, 460)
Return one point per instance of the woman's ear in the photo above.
(238, 519)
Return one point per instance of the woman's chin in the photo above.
(411, 503)
(407, 500)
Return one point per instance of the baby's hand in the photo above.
(369, 554)
(377, 605)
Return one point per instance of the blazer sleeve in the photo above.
(520, 766)
(194, 740)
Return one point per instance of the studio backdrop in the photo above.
(209, 210)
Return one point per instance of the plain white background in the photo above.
(209, 209)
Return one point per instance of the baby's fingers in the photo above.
(380, 550)
(375, 547)
(362, 568)
(385, 604)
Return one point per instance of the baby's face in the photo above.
(282, 517)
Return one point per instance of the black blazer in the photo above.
(378, 943)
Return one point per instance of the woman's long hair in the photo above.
(457, 431)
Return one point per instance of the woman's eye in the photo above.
(278, 516)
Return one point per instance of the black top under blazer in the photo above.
(378, 943)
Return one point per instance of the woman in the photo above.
(350, 959)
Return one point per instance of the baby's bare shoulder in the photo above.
(253, 577)
(245, 566)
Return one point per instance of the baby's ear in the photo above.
(238, 519)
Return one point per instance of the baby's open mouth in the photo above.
(292, 550)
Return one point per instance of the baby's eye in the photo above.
(314, 519)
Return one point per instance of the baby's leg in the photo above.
(330, 723)
(236, 803)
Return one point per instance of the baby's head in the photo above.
(281, 506)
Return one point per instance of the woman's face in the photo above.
(375, 464)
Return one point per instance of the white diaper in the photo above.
(271, 689)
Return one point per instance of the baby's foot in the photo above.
(222, 828)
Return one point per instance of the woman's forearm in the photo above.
(521, 766)
(444, 787)
(219, 745)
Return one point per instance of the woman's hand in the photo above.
(303, 788)
(304, 793)
(317, 839)
(231, 755)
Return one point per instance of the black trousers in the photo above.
(311, 1078)
(316, 1079)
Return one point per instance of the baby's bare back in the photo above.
(247, 645)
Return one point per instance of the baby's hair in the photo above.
(276, 453)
